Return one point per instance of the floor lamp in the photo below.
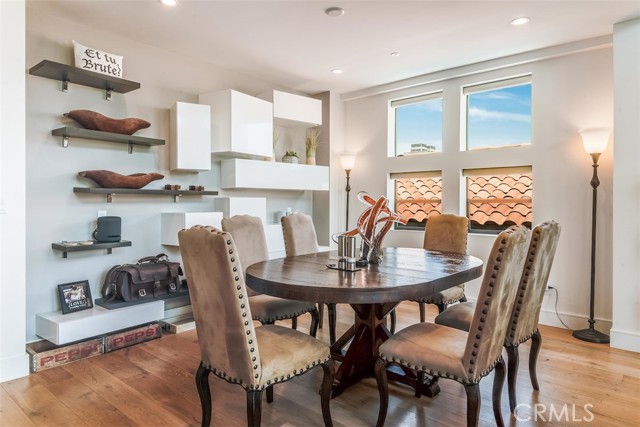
(595, 141)
(347, 161)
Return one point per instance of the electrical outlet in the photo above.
(101, 213)
(549, 290)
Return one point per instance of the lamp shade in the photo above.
(595, 140)
(347, 161)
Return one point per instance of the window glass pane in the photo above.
(499, 117)
(418, 127)
(417, 196)
(499, 198)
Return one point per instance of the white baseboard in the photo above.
(14, 367)
(625, 340)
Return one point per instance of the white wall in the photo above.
(54, 212)
(626, 187)
(13, 358)
(570, 91)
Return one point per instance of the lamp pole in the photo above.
(591, 334)
(347, 189)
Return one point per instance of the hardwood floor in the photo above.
(152, 384)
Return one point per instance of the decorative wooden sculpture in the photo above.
(96, 121)
(367, 223)
(108, 179)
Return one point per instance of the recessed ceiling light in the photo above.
(169, 2)
(394, 54)
(520, 21)
(334, 12)
(336, 71)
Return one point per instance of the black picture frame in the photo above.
(75, 296)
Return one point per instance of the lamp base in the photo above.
(591, 335)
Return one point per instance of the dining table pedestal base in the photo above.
(364, 339)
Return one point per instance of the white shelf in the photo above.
(291, 110)
(172, 222)
(242, 173)
(63, 329)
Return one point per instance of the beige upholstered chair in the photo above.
(446, 233)
(465, 357)
(248, 233)
(300, 239)
(230, 346)
(526, 311)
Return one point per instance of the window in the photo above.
(498, 198)
(417, 195)
(418, 124)
(499, 113)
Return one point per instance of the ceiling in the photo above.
(295, 44)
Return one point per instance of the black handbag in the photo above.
(151, 277)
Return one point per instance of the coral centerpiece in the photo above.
(373, 224)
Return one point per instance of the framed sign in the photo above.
(75, 296)
(96, 60)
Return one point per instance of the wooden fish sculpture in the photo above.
(108, 179)
(96, 121)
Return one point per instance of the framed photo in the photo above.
(75, 296)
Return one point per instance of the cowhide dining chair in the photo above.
(231, 347)
(248, 233)
(523, 325)
(300, 239)
(465, 357)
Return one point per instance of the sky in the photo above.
(497, 117)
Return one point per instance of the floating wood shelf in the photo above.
(96, 135)
(96, 245)
(111, 191)
(68, 74)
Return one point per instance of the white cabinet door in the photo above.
(190, 145)
(291, 110)
(241, 125)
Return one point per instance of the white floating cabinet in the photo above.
(291, 110)
(241, 125)
(63, 329)
(242, 173)
(231, 206)
(190, 145)
(172, 222)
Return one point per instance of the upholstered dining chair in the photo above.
(231, 347)
(447, 233)
(465, 357)
(523, 325)
(300, 239)
(248, 233)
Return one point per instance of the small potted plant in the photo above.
(290, 157)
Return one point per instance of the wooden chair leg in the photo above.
(325, 391)
(270, 394)
(473, 404)
(463, 298)
(320, 315)
(512, 375)
(393, 318)
(536, 344)
(294, 323)
(441, 307)
(498, 383)
(331, 311)
(383, 388)
(313, 329)
(423, 316)
(202, 384)
(254, 408)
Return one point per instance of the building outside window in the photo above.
(498, 198)
(417, 196)
(417, 124)
(498, 113)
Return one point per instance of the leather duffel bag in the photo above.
(150, 277)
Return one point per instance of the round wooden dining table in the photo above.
(372, 291)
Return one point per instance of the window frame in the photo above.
(394, 176)
(392, 150)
